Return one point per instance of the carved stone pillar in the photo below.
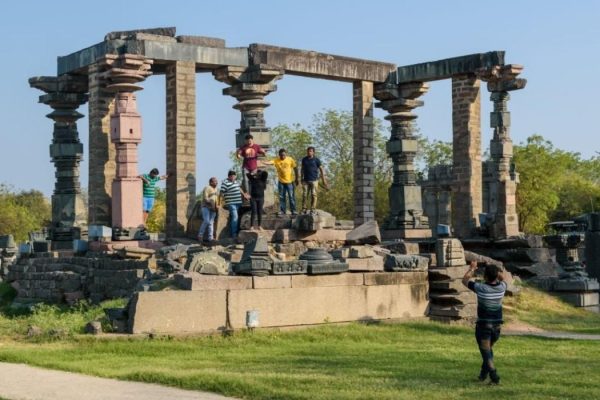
(406, 219)
(250, 86)
(65, 94)
(503, 218)
(122, 74)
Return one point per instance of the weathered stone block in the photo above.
(361, 252)
(444, 298)
(448, 272)
(402, 262)
(343, 279)
(271, 282)
(395, 278)
(178, 311)
(367, 233)
(315, 305)
(402, 247)
(197, 281)
(374, 263)
(455, 311)
(314, 222)
(583, 299)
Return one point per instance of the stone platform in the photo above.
(220, 303)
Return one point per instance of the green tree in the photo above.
(22, 212)
(554, 184)
(431, 153)
(158, 215)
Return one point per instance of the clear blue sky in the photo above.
(557, 42)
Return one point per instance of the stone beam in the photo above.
(449, 67)
(320, 65)
(161, 49)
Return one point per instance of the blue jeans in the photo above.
(233, 219)
(208, 219)
(283, 189)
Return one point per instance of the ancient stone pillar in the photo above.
(250, 86)
(65, 94)
(122, 74)
(466, 155)
(181, 145)
(101, 151)
(406, 219)
(503, 217)
(363, 149)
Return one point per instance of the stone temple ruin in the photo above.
(299, 271)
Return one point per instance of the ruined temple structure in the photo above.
(106, 76)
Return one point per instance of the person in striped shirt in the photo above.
(489, 315)
(232, 195)
(149, 190)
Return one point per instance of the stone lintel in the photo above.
(320, 65)
(446, 68)
(204, 41)
(168, 31)
(159, 51)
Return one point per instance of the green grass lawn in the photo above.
(401, 361)
(540, 309)
(356, 361)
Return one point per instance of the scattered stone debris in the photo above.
(367, 233)
(93, 328)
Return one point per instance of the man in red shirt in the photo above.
(249, 153)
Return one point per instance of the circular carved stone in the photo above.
(316, 255)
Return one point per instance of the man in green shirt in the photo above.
(149, 186)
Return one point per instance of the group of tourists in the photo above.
(254, 183)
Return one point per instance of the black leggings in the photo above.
(257, 209)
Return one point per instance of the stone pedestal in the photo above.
(573, 285)
(406, 209)
(122, 75)
(502, 205)
(65, 94)
(250, 86)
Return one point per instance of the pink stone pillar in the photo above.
(126, 133)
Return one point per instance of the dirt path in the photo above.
(22, 382)
(551, 335)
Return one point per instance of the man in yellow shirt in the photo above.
(287, 176)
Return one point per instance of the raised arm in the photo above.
(469, 273)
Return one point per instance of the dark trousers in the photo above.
(257, 209)
(487, 334)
